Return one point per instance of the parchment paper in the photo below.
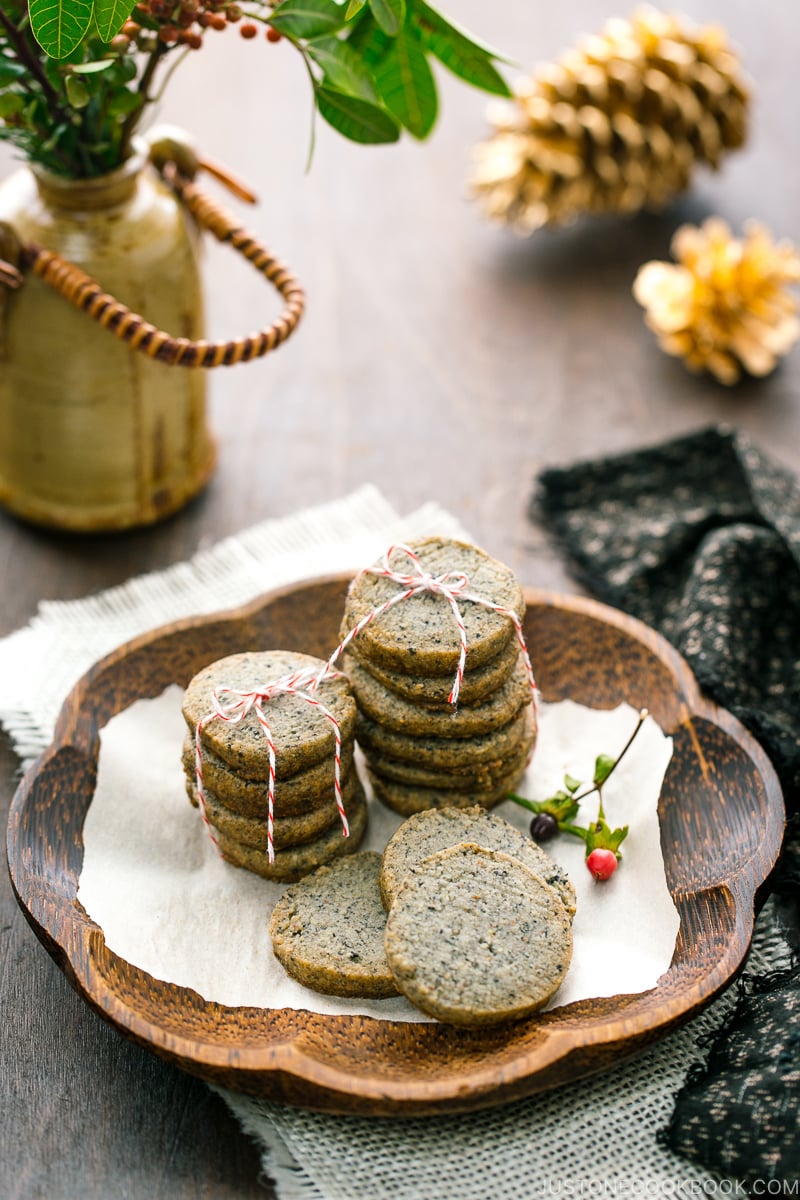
(166, 902)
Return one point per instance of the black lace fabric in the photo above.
(700, 538)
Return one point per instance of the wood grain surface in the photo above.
(440, 359)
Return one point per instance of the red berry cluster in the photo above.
(183, 23)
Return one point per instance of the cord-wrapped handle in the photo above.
(86, 294)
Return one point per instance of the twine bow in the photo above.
(453, 586)
(233, 705)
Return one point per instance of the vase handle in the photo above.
(86, 294)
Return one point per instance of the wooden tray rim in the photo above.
(285, 1059)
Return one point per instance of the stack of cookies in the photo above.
(422, 751)
(235, 766)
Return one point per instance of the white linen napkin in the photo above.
(596, 1138)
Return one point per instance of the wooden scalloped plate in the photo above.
(721, 816)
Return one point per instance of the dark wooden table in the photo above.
(441, 359)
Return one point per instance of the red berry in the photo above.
(273, 35)
(602, 863)
(218, 22)
(168, 34)
(248, 30)
(233, 13)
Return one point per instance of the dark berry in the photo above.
(543, 827)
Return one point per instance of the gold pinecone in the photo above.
(615, 125)
(726, 305)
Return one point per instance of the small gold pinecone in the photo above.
(726, 305)
(615, 125)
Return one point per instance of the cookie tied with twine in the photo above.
(725, 305)
(614, 126)
(483, 610)
(439, 611)
(269, 715)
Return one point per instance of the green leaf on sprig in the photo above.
(603, 766)
(465, 57)
(307, 18)
(600, 836)
(60, 25)
(343, 69)
(390, 15)
(406, 85)
(571, 784)
(124, 103)
(354, 8)
(77, 91)
(356, 119)
(368, 40)
(94, 68)
(10, 72)
(110, 16)
(561, 806)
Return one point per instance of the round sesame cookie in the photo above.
(327, 930)
(407, 717)
(475, 938)
(428, 832)
(419, 635)
(434, 690)
(300, 793)
(287, 830)
(406, 800)
(438, 752)
(293, 862)
(302, 734)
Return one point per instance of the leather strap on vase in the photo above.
(86, 294)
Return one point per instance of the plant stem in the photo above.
(129, 127)
(643, 714)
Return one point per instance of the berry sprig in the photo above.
(557, 813)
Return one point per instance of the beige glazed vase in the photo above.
(94, 435)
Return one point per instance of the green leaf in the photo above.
(124, 103)
(368, 40)
(571, 784)
(356, 119)
(60, 25)
(110, 16)
(307, 18)
(93, 68)
(390, 15)
(11, 104)
(10, 71)
(466, 58)
(354, 8)
(603, 766)
(407, 87)
(343, 69)
(600, 836)
(77, 91)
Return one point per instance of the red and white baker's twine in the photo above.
(453, 585)
(232, 706)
